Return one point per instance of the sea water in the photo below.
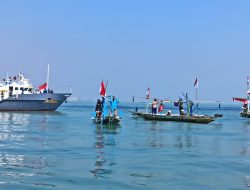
(65, 150)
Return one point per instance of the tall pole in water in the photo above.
(48, 79)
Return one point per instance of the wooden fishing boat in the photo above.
(101, 114)
(179, 118)
(188, 117)
(176, 117)
(245, 101)
(245, 106)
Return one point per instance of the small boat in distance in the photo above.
(18, 94)
(245, 102)
(245, 106)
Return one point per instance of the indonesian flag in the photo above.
(148, 94)
(43, 86)
(196, 83)
(102, 89)
(244, 100)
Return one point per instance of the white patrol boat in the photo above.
(18, 94)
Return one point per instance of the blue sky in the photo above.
(133, 44)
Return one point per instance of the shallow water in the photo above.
(65, 150)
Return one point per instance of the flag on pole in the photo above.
(196, 83)
(244, 100)
(148, 94)
(102, 89)
(43, 86)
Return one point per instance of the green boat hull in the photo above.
(178, 118)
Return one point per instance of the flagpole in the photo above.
(147, 98)
(106, 87)
(196, 83)
(247, 94)
(196, 93)
(48, 79)
(248, 84)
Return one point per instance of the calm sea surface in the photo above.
(65, 150)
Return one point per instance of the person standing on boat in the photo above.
(154, 106)
(98, 109)
(2, 96)
(161, 108)
(244, 107)
(104, 107)
(113, 103)
(180, 104)
(191, 104)
(102, 102)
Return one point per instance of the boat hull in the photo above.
(243, 114)
(109, 120)
(248, 115)
(177, 118)
(137, 114)
(33, 102)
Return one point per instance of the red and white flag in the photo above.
(43, 86)
(196, 83)
(240, 99)
(102, 89)
(148, 94)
